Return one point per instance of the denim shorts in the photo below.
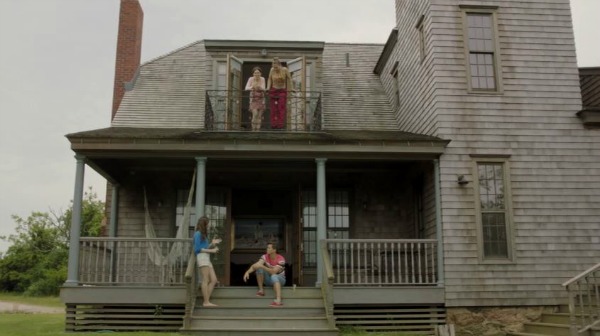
(270, 279)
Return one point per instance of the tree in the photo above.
(36, 261)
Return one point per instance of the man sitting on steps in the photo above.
(270, 271)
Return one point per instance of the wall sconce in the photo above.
(263, 53)
(461, 180)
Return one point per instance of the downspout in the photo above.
(73, 267)
(438, 223)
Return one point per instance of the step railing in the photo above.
(584, 300)
(191, 286)
(327, 279)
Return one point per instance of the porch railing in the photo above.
(191, 285)
(229, 111)
(133, 261)
(382, 262)
(584, 300)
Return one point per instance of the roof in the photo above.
(132, 134)
(169, 90)
(123, 141)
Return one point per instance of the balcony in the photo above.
(230, 111)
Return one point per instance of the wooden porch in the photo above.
(141, 284)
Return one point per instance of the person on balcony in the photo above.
(278, 84)
(256, 86)
(202, 249)
(270, 271)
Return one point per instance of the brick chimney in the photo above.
(129, 48)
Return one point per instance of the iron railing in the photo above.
(584, 300)
(133, 261)
(230, 111)
(381, 262)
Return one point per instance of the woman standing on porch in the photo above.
(202, 249)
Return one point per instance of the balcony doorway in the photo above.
(247, 72)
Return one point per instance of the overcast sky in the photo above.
(57, 69)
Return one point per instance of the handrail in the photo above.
(229, 110)
(327, 284)
(581, 275)
(191, 291)
(583, 291)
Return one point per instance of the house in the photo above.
(447, 174)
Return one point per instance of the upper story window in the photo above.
(421, 31)
(482, 49)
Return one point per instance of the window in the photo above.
(394, 73)
(421, 32)
(338, 220)
(493, 210)
(481, 49)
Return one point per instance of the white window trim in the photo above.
(510, 245)
(420, 26)
(493, 10)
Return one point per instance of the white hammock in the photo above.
(179, 249)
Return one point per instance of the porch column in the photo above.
(321, 215)
(114, 202)
(112, 229)
(200, 187)
(438, 222)
(73, 266)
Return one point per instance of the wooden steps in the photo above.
(551, 324)
(241, 312)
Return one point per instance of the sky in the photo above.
(57, 62)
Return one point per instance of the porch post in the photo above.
(112, 229)
(321, 215)
(73, 266)
(114, 201)
(438, 222)
(200, 187)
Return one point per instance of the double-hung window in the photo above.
(493, 209)
(482, 49)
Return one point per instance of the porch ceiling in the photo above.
(178, 147)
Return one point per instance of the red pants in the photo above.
(277, 104)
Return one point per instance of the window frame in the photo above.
(420, 26)
(493, 12)
(508, 210)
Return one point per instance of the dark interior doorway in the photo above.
(253, 208)
(246, 74)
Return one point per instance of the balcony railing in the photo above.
(380, 262)
(133, 261)
(231, 111)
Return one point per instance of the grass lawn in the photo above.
(47, 301)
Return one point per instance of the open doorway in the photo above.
(258, 217)
(247, 67)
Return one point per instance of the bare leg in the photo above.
(208, 284)
(260, 279)
(277, 289)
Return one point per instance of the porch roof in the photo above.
(181, 142)
(111, 151)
